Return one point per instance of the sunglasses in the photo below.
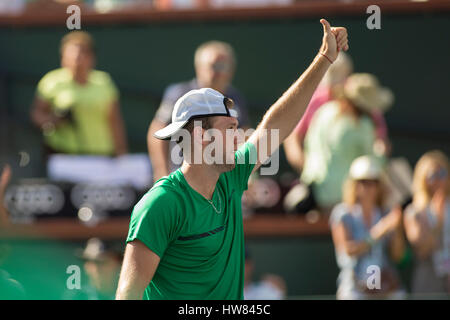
(440, 174)
(221, 67)
(368, 182)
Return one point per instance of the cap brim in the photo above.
(168, 131)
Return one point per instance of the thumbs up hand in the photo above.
(334, 40)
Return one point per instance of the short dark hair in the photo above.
(206, 123)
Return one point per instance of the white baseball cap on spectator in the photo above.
(365, 168)
(205, 102)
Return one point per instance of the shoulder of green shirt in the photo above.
(248, 149)
(50, 80)
(99, 76)
(155, 218)
(245, 161)
(163, 188)
(104, 79)
(53, 77)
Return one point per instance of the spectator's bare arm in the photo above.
(41, 113)
(397, 245)
(118, 129)
(293, 148)
(344, 243)
(4, 180)
(139, 266)
(419, 234)
(158, 151)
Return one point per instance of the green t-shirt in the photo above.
(201, 251)
(89, 104)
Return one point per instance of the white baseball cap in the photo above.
(205, 102)
(365, 168)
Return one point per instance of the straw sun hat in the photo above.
(364, 90)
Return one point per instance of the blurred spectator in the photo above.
(340, 131)
(427, 223)
(77, 107)
(263, 194)
(215, 64)
(334, 77)
(12, 6)
(247, 3)
(365, 235)
(4, 180)
(104, 6)
(332, 82)
(184, 4)
(179, 4)
(270, 287)
(56, 6)
(102, 263)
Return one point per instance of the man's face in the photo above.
(77, 57)
(224, 128)
(215, 70)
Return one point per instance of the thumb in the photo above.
(326, 26)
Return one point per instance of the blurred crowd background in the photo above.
(363, 180)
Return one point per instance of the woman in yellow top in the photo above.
(77, 107)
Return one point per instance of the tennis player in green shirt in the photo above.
(186, 238)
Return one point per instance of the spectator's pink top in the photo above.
(380, 125)
(323, 95)
(320, 96)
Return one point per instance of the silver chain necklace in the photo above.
(212, 204)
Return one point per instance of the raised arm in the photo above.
(41, 114)
(139, 266)
(287, 111)
(343, 242)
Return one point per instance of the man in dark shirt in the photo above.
(214, 63)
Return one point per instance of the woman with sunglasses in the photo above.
(366, 236)
(427, 224)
